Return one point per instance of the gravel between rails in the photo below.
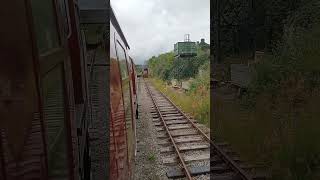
(145, 112)
(148, 164)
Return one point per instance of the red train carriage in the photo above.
(53, 87)
(123, 101)
(43, 94)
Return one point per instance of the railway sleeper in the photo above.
(155, 116)
(187, 158)
(164, 113)
(173, 122)
(168, 109)
(184, 139)
(175, 172)
(171, 119)
(170, 113)
(185, 147)
(179, 132)
(175, 127)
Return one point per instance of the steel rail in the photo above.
(219, 151)
(184, 166)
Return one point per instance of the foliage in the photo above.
(296, 56)
(161, 66)
(139, 69)
(281, 124)
(201, 82)
(194, 103)
(152, 157)
(253, 25)
(167, 67)
(279, 137)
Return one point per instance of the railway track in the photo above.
(187, 147)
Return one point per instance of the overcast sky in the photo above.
(151, 27)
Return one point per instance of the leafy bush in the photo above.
(295, 56)
(195, 104)
(167, 67)
(284, 95)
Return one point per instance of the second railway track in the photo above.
(186, 146)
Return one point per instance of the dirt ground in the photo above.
(148, 164)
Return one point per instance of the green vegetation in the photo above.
(152, 157)
(195, 102)
(139, 69)
(276, 123)
(166, 67)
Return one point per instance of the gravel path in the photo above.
(148, 164)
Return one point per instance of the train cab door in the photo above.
(35, 93)
(22, 143)
(51, 26)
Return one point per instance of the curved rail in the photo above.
(230, 162)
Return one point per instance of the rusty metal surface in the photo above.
(118, 142)
(122, 146)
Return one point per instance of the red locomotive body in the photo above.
(54, 94)
(123, 101)
(38, 131)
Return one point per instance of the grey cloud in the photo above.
(153, 26)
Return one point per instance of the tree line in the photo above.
(242, 27)
(166, 67)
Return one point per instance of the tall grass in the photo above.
(196, 104)
(279, 134)
(281, 128)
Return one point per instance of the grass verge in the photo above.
(195, 104)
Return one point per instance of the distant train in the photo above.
(56, 118)
(145, 73)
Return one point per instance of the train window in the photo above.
(55, 122)
(123, 65)
(45, 25)
(126, 99)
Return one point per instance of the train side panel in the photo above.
(118, 141)
(123, 101)
(19, 98)
(39, 141)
